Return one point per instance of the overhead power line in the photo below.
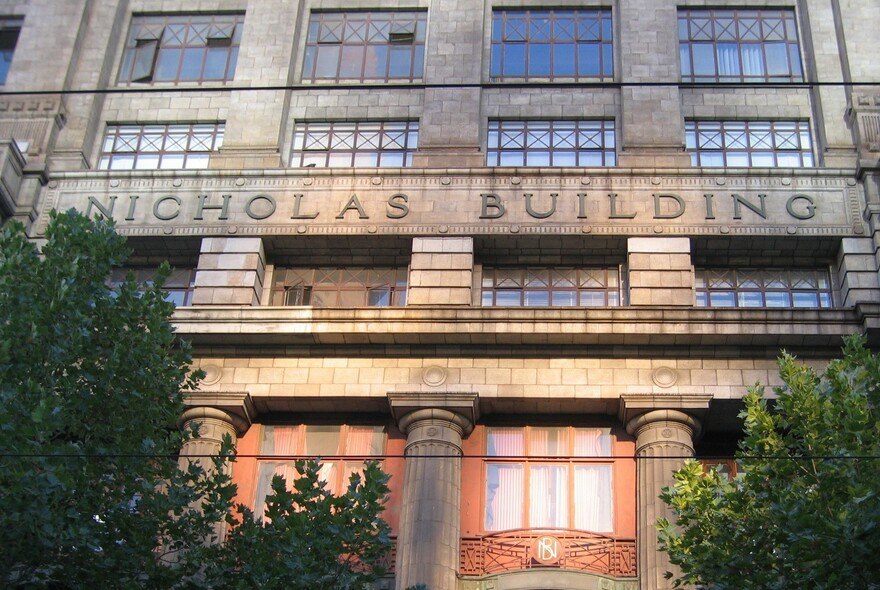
(150, 89)
(285, 457)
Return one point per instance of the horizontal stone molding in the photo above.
(440, 325)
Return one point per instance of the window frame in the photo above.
(9, 26)
(144, 274)
(567, 459)
(505, 41)
(143, 48)
(545, 142)
(356, 134)
(314, 39)
(115, 135)
(737, 294)
(776, 156)
(612, 294)
(692, 36)
(304, 293)
(340, 461)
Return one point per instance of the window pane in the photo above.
(367, 144)
(539, 60)
(550, 143)
(548, 496)
(505, 442)
(181, 47)
(341, 287)
(551, 44)
(749, 143)
(739, 45)
(322, 440)
(160, 146)
(167, 65)
(548, 442)
(365, 46)
(564, 59)
(504, 497)
(594, 509)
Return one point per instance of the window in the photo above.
(538, 287)
(549, 478)
(551, 45)
(726, 467)
(739, 46)
(340, 287)
(341, 448)
(375, 144)
(182, 48)
(160, 147)
(9, 30)
(749, 143)
(551, 143)
(365, 46)
(178, 287)
(805, 288)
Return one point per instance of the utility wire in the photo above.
(531, 458)
(151, 89)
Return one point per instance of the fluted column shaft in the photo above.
(430, 530)
(213, 424)
(663, 439)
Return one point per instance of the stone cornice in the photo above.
(622, 326)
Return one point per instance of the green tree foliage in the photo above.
(91, 385)
(804, 511)
(308, 539)
(92, 382)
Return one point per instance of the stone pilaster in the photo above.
(660, 271)
(230, 271)
(651, 127)
(663, 439)
(430, 528)
(441, 271)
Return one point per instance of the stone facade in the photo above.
(655, 355)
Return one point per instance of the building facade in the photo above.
(529, 255)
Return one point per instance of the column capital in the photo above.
(460, 410)
(634, 405)
(236, 408)
(656, 418)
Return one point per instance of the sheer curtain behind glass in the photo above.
(504, 486)
(549, 478)
(592, 483)
(342, 449)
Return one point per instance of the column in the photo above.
(217, 415)
(660, 271)
(430, 521)
(663, 437)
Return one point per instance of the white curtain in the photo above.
(548, 496)
(286, 441)
(752, 59)
(504, 482)
(504, 497)
(593, 498)
(592, 442)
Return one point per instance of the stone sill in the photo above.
(445, 325)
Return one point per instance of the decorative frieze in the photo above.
(474, 202)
